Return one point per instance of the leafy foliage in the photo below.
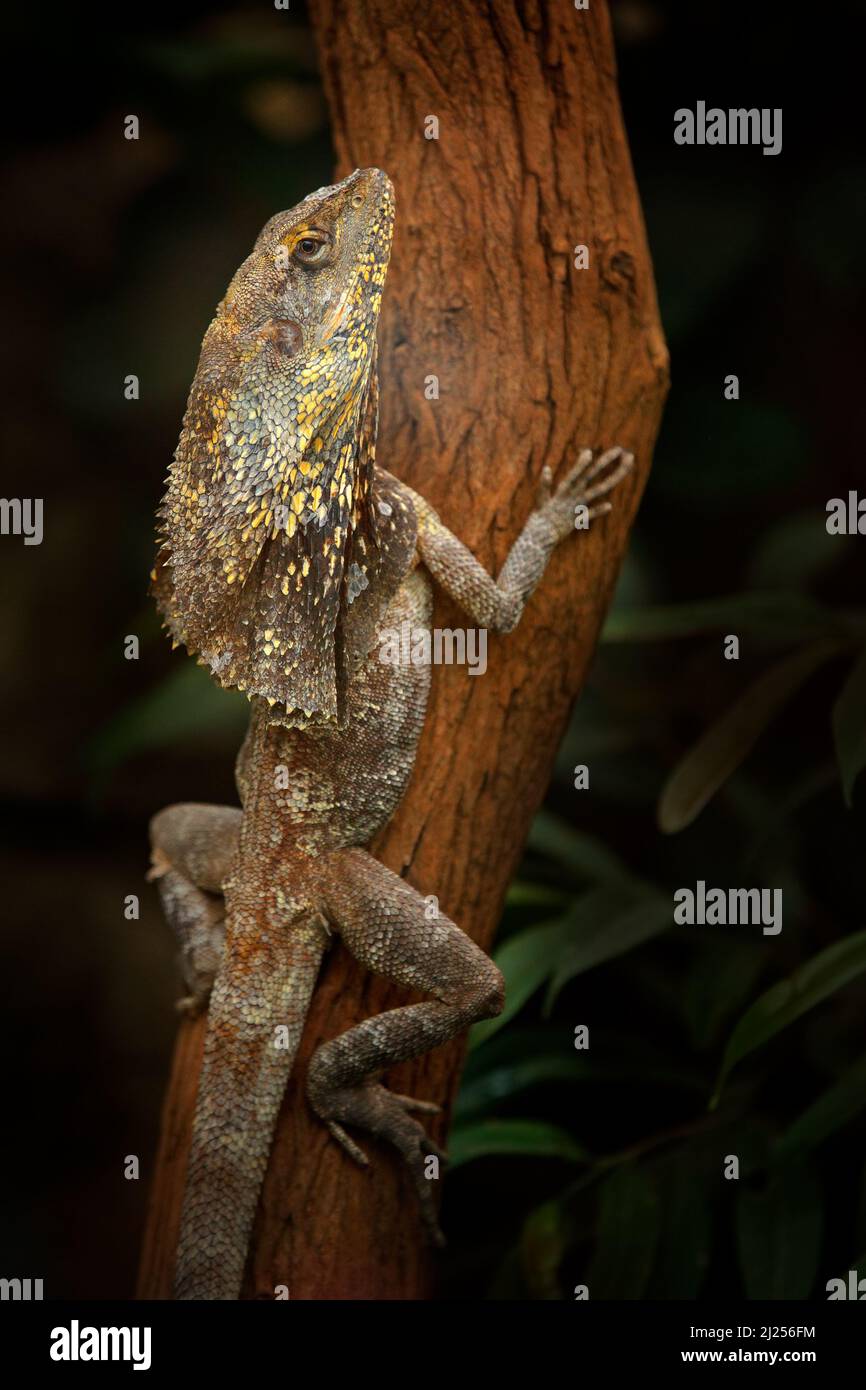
(706, 1044)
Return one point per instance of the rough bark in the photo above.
(534, 358)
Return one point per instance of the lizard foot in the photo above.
(586, 482)
(385, 1114)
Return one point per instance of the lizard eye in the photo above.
(312, 250)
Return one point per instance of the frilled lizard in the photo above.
(285, 551)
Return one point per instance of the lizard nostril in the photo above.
(357, 200)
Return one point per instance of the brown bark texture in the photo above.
(534, 358)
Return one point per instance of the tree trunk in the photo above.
(534, 358)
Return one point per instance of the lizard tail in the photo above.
(256, 1015)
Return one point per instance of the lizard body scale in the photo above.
(284, 551)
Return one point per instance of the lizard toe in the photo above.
(385, 1114)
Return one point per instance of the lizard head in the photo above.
(299, 317)
(267, 531)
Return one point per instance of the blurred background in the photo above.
(599, 1166)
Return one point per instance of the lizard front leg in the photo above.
(385, 924)
(192, 848)
(498, 603)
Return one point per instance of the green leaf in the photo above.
(535, 895)
(787, 1001)
(719, 981)
(627, 1231)
(538, 1055)
(525, 960)
(507, 1284)
(779, 1236)
(849, 727)
(606, 932)
(721, 749)
(186, 706)
(686, 1235)
(769, 817)
(286, 51)
(529, 957)
(795, 552)
(839, 1104)
(791, 616)
(542, 1247)
(582, 855)
(487, 1091)
(526, 1138)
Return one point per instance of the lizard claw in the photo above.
(342, 1138)
(424, 1107)
(545, 487)
(576, 489)
(576, 474)
(614, 464)
(386, 1114)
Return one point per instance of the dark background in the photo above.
(115, 256)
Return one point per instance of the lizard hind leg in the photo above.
(192, 848)
(386, 926)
